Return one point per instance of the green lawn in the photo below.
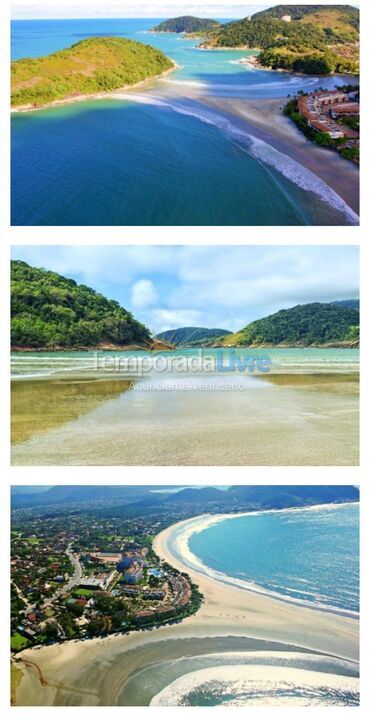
(82, 592)
(18, 642)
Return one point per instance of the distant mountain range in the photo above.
(191, 336)
(207, 498)
(52, 312)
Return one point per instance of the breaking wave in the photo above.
(262, 678)
(259, 149)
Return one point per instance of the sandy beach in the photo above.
(265, 120)
(70, 100)
(297, 420)
(98, 672)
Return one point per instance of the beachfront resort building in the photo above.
(286, 18)
(101, 581)
(133, 574)
(321, 108)
(130, 557)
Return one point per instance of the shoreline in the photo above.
(264, 119)
(109, 95)
(345, 345)
(72, 672)
(194, 563)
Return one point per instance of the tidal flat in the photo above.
(304, 414)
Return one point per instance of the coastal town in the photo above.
(75, 577)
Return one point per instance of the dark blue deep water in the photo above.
(127, 162)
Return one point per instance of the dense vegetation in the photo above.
(302, 326)
(189, 336)
(291, 110)
(186, 23)
(90, 66)
(50, 311)
(333, 14)
(318, 40)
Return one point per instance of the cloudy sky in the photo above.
(129, 8)
(210, 286)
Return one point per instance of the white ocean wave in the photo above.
(259, 149)
(179, 541)
(260, 685)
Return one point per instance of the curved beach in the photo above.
(231, 619)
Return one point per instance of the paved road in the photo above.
(77, 575)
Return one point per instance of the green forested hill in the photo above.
(345, 14)
(90, 66)
(302, 325)
(50, 311)
(188, 336)
(318, 39)
(186, 23)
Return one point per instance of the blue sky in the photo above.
(210, 286)
(123, 8)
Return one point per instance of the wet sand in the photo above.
(295, 420)
(38, 406)
(264, 119)
(96, 672)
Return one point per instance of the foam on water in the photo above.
(180, 548)
(263, 678)
(259, 149)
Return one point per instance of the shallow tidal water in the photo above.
(306, 413)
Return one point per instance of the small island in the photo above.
(186, 24)
(90, 67)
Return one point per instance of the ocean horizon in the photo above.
(161, 157)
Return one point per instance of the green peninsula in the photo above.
(312, 39)
(187, 24)
(51, 312)
(95, 65)
(313, 324)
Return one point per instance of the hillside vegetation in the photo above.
(90, 66)
(186, 23)
(49, 311)
(318, 40)
(302, 326)
(191, 336)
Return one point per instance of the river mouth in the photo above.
(179, 160)
(154, 682)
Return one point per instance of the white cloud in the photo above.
(223, 286)
(129, 9)
(164, 319)
(144, 294)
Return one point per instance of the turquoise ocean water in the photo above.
(85, 363)
(144, 160)
(310, 556)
